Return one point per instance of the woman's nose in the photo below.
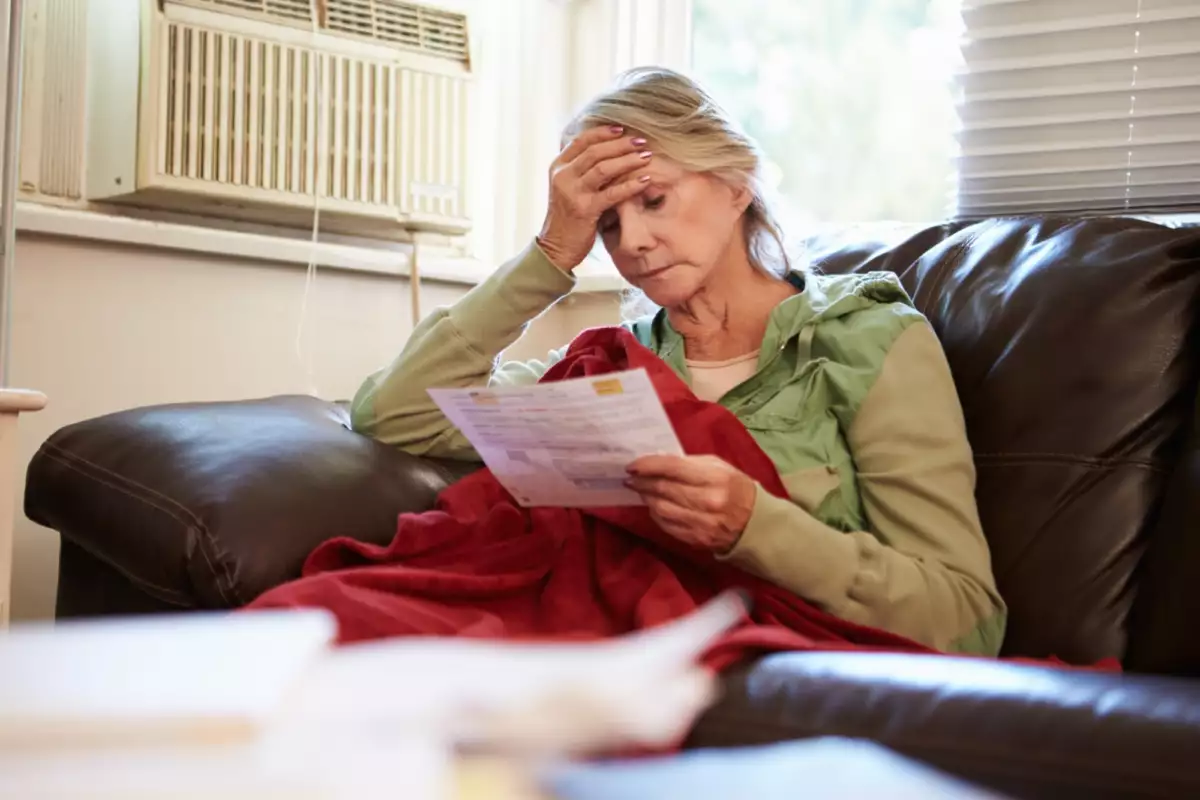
(635, 236)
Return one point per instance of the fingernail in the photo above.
(617, 129)
(644, 178)
(645, 154)
(637, 142)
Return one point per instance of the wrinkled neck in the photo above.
(727, 317)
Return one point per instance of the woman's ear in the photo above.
(742, 197)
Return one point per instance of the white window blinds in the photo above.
(1079, 106)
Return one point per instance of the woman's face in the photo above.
(668, 240)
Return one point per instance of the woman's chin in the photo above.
(669, 290)
(667, 298)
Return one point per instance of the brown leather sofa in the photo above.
(1075, 345)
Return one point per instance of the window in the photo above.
(1080, 106)
(1075, 106)
(851, 100)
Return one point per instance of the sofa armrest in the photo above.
(1029, 731)
(207, 505)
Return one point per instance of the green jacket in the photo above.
(852, 400)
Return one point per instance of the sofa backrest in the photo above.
(1073, 344)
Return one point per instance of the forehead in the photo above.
(662, 169)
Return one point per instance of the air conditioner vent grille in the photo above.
(244, 112)
(414, 27)
(287, 11)
(269, 121)
(410, 25)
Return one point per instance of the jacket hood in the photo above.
(823, 298)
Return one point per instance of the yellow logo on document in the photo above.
(484, 398)
(608, 386)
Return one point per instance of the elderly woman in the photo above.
(838, 378)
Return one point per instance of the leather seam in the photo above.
(115, 481)
(208, 539)
(959, 249)
(1066, 458)
(67, 454)
(164, 593)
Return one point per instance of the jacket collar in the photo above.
(819, 298)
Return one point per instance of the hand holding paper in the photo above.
(566, 443)
(701, 499)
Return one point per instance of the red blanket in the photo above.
(480, 565)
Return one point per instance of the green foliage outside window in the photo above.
(852, 100)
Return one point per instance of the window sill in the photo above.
(392, 259)
(169, 234)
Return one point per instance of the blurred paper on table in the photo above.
(207, 677)
(564, 443)
(283, 765)
(261, 704)
(643, 689)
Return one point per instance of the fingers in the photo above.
(621, 191)
(608, 170)
(670, 515)
(598, 154)
(695, 470)
(677, 520)
(664, 488)
(586, 139)
(612, 169)
(699, 499)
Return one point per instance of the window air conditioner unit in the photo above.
(252, 109)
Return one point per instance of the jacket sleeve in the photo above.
(923, 570)
(458, 347)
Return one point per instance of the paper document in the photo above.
(213, 678)
(565, 443)
(641, 689)
(379, 719)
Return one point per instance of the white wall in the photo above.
(102, 327)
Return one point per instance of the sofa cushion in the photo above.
(1028, 731)
(206, 505)
(1073, 347)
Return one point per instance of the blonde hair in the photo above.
(685, 124)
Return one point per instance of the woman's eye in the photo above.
(655, 202)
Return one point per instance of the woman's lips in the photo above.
(654, 273)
